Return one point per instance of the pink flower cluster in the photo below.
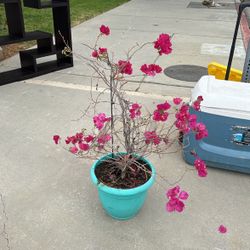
(197, 103)
(80, 142)
(161, 114)
(152, 138)
(102, 51)
(78, 137)
(201, 167)
(183, 119)
(200, 131)
(135, 110)
(175, 195)
(163, 44)
(100, 119)
(125, 67)
(102, 140)
(105, 30)
(186, 122)
(177, 100)
(151, 69)
(84, 143)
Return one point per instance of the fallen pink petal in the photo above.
(222, 229)
(56, 139)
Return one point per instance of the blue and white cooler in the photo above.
(225, 111)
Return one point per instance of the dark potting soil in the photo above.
(110, 175)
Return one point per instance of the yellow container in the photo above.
(219, 71)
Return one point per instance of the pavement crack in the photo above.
(4, 232)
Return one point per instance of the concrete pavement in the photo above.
(48, 201)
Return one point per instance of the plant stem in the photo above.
(112, 111)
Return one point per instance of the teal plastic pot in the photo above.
(122, 204)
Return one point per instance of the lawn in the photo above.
(81, 10)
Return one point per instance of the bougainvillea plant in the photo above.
(129, 127)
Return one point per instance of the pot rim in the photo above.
(122, 192)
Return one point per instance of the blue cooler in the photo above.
(226, 113)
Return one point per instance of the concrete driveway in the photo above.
(47, 199)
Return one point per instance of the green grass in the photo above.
(81, 10)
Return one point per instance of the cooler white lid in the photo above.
(222, 97)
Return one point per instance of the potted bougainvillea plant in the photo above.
(122, 140)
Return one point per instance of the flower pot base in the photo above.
(121, 218)
(122, 204)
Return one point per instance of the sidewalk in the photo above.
(50, 202)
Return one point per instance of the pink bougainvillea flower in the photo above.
(78, 137)
(183, 113)
(95, 54)
(89, 138)
(201, 167)
(179, 207)
(173, 192)
(164, 106)
(174, 204)
(170, 205)
(73, 150)
(151, 69)
(200, 98)
(186, 122)
(160, 113)
(135, 110)
(163, 44)
(100, 119)
(222, 229)
(182, 119)
(197, 104)
(68, 140)
(102, 140)
(83, 146)
(103, 50)
(183, 195)
(177, 101)
(125, 67)
(100, 52)
(152, 138)
(192, 120)
(182, 126)
(105, 30)
(160, 116)
(200, 130)
(175, 196)
(56, 138)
